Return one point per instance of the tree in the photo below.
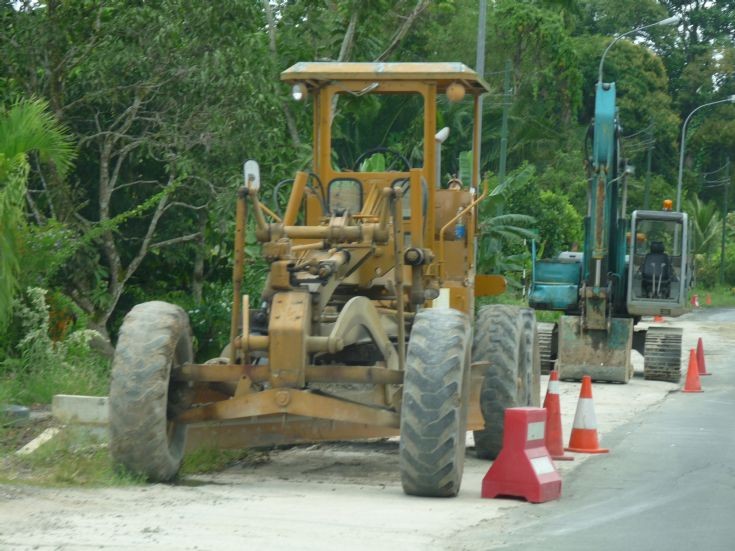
(706, 224)
(165, 105)
(26, 128)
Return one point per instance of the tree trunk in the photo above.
(197, 280)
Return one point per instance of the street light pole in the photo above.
(682, 147)
(726, 185)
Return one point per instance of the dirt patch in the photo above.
(15, 435)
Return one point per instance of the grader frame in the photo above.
(322, 355)
(342, 250)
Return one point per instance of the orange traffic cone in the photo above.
(658, 319)
(553, 437)
(692, 383)
(584, 430)
(700, 358)
(708, 300)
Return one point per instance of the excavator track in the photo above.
(546, 346)
(662, 359)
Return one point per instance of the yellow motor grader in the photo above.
(364, 328)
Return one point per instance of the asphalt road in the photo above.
(668, 483)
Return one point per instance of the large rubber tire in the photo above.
(155, 337)
(505, 336)
(435, 403)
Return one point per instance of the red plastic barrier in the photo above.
(524, 467)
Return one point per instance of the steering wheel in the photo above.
(370, 152)
(280, 195)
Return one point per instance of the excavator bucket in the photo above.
(603, 355)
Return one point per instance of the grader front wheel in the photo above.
(505, 336)
(435, 401)
(154, 339)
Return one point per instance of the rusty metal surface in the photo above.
(442, 73)
(358, 318)
(294, 402)
(475, 420)
(278, 430)
(289, 325)
(204, 373)
(238, 269)
(487, 285)
(338, 280)
(603, 355)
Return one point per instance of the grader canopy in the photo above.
(363, 328)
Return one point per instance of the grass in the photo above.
(78, 457)
(38, 386)
(721, 296)
(34, 367)
(211, 460)
(75, 457)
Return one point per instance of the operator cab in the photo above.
(657, 267)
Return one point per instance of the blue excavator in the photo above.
(631, 266)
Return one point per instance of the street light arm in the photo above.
(602, 59)
(682, 146)
(668, 21)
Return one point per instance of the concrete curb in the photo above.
(88, 410)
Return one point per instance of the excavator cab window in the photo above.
(657, 258)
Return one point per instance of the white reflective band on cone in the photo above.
(585, 416)
(553, 387)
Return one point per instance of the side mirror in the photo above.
(251, 174)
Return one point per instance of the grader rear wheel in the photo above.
(435, 401)
(505, 336)
(154, 339)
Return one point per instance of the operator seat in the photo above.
(656, 272)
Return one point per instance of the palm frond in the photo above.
(28, 125)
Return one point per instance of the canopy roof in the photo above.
(442, 73)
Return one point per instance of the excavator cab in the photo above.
(658, 263)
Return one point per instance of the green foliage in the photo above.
(39, 367)
(11, 222)
(25, 127)
(721, 296)
(165, 107)
(708, 272)
(557, 225)
(501, 236)
(706, 225)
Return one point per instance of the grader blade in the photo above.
(603, 355)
